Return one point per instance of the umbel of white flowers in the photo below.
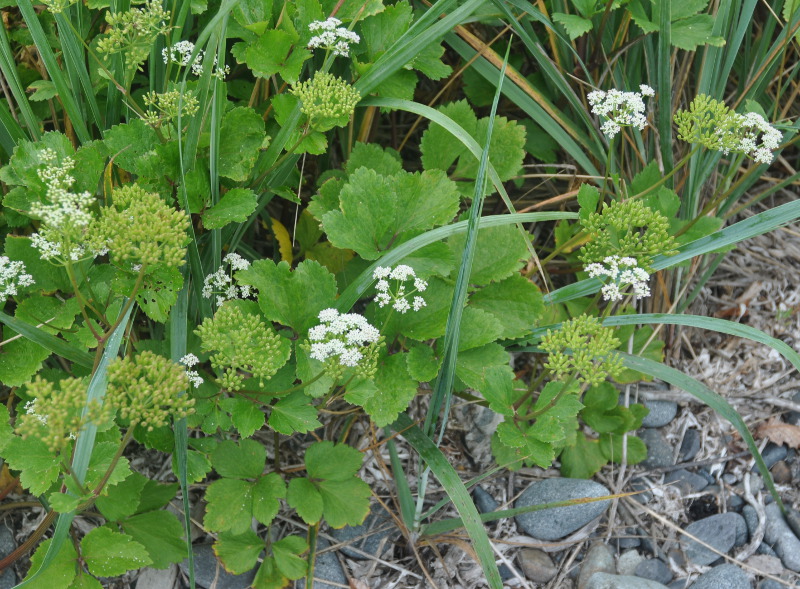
(343, 335)
(620, 109)
(222, 284)
(399, 296)
(625, 273)
(331, 36)
(12, 276)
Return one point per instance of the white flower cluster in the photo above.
(621, 109)
(398, 298)
(12, 275)
(332, 36)
(341, 335)
(190, 360)
(181, 53)
(30, 409)
(221, 283)
(753, 125)
(624, 272)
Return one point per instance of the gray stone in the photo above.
(207, 570)
(677, 584)
(690, 445)
(780, 536)
(641, 485)
(537, 565)
(599, 559)
(750, 518)
(718, 531)
(772, 454)
(770, 584)
(659, 451)
(687, 482)
(766, 549)
(742, 535)
(728, 576)
(654, 569)
(661, 413)
(373, 536)
(729, 478)
(793, 417)
(628, 539)
(8, 578)
(483, 500)
(326, 568)
(628, 561)
(793, 519)
(648, 544)
(554, 524)
(606, 581)
(707, 476)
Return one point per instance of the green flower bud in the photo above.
(133, 32)
(327, 100)
(592, 347)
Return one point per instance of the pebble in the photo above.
(208, 571)
(607, 581)
(8, 578)
(659, 452)
(326, 568)
(537, 565)
(677, 584)
(779, 535)
(599, 559)
(661, 413)
(628, 561)
(372, 544)
(654, 569)
(742, 535)
(781, 473)
(728, 576)
(483, 500)
(643, 496)
(687, 482)
(718, 531)
(793, 519)
(648, 544)
(772, 454)
(690, 445)
(793, 417)
(770, 584)
(628, 539)
(554, 524)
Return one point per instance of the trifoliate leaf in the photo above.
(238, 552)
(583, 459)
(291, 297)
(246, 416)
(499, 252)
(129, 142)
(380, 31)
(235, 206)
(304, 497)
(576, 26)
(161, 534)
(108, 553)
(286, 552)
(243, 130)
(395, 390)
(294, 414)
(103, 455)
(122, 500)
(515, 303)
(498, 389)
(39, 468)
(243, 460)
(472, 364)
(275, 52)
(60, 571)
(324, 460)
(267, 493)
(439, 148)
(229, 506)
(345, 503)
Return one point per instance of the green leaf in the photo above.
(20, 360)
(345, 503)
(238, 552)
(161, 534)
(380, 31)
(108, 553)
(324, 460)
(39, 468)
(294, 414)
(154, 495)
(247, 417)
(122, 500)
(275, 53)
(515, 303)
(266, 494)
(244, 460)
(63, 503)
(159, 292)
(383, 160)
(229, 506)
(129, 143)
(689, 33)
(473, 364)
(583, 459)
(396, 389)
(589, 196)
(43, 90)
(499, 252)
(499, 390)
(286, 551)
(197, 464)
(243, 130)
(103, 454)
(235, 206)
(422, 363)
(84, 581)
(291, 297)
(304, 497)
(575, 26)
(611, 447)
(62, 568)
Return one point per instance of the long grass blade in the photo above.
(9, 70)
(48, 341)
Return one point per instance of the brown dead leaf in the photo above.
(778, 432)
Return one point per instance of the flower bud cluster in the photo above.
(344, 340)
(12, 276)
(624, 272)
(398, 296)
(54, 414)
(328, 101)
(141, 228)
(134, 31)
(165, 107)
(241, 342)
(582, 349)
(190, 360)
(332, 36)
(627, 229)
(181, 53)
(66, 216)
(147, 390)
(222, 283)
(620, 109)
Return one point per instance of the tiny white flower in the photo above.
(418, 303)
(189, 360)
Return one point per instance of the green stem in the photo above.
(129, 303)
(255, 183)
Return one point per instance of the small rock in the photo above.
(554, 524)
(686, 481)
(505, 572)
(628, 539)
(606, 581)
(677, 584)
(728, 576)
(537, 565)
(641, 485)
(718, 531)
(772, 454)
(766, 550)
(677, 558)
(741, 531)
(750, 518)
(483, 500)
(779, 535)
(781, 473)
(793, 417)
(628, 561)
(208, 571)
(648, 544)
(8, 578)
(661, 413)
(362, 537)
(767, 565)
(707, 476)
(654, 569)
(659, 451)
(730, 478)
(598, 559)
(690, 445)
(326, 568)
(770, 584)
(149, 578)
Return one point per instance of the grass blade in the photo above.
(48, 341)
(403, 489)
